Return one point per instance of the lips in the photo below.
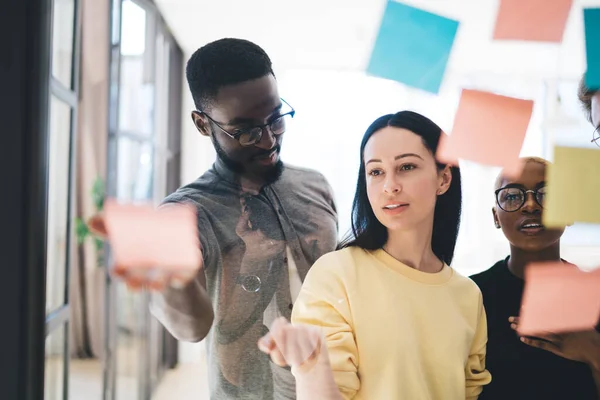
(268, 158)
(531, 226)
(393, 206)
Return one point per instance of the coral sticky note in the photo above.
(532, 20)
(559, 297)
(488, 129)
(144, 237)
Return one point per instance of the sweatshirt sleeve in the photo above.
(476, 374)
(323, 302)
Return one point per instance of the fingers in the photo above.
(267, 345)
(296, 345)
(154, 280)
(548, 336)
(97, 227)
(541, 344)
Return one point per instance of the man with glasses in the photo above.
(262, 224)
(590, 100)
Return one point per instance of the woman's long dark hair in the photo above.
(367, 232)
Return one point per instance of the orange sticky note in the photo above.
(144, 237)
(532, 20)
(559, 298)
(488, 129)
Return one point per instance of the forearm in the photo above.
(186, 312)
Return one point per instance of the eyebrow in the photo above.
(243, 120)
(519, 185)
(397, 157)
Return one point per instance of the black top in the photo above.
(520, 371)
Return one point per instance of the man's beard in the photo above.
(268, 174)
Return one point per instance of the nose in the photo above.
(531, 206)
(391, 186)
(267, 140)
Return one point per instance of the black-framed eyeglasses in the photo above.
(252, 135)
(511, 199)
(596, 136)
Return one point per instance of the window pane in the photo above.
(134, 175)
(62, 40)
(136, 94)
(54, 373)
(58, 196)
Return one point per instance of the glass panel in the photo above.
(134, 175)
(58, 196)
(62, 40)
(131, 345)
(55, 366)
(136, 97)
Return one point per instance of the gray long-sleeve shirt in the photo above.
(257, 248)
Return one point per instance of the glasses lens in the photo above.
(278, 125)
(250, 137)
(541, 196)
(510, 199)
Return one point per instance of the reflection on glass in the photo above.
(136, 94)
(62, 40)
(134, 177)
(54, 370)
(58, 195)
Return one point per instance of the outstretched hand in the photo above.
(576, 346)
(299, 346)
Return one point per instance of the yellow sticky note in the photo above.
(573, 183)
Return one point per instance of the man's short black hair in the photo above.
(585, 97)
(221, 63)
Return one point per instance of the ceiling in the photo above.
(338, 35)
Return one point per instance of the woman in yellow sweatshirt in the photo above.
(397, 322)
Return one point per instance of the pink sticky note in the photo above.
(144, 237)
(532, 20)
(559, 298)
(488, 129)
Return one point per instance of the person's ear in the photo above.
(496, 220)
(201, 123)
(445, 180)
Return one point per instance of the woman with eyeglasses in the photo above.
(385, 317)
(547, 367)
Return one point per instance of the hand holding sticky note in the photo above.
(143, 237)
(573, 187)
(489, 129)
(559, 298)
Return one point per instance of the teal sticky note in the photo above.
(413, 47)
(591, 20)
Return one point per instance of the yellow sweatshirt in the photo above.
(395, 333)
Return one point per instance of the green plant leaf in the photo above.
(81, 230)
(98, 194)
